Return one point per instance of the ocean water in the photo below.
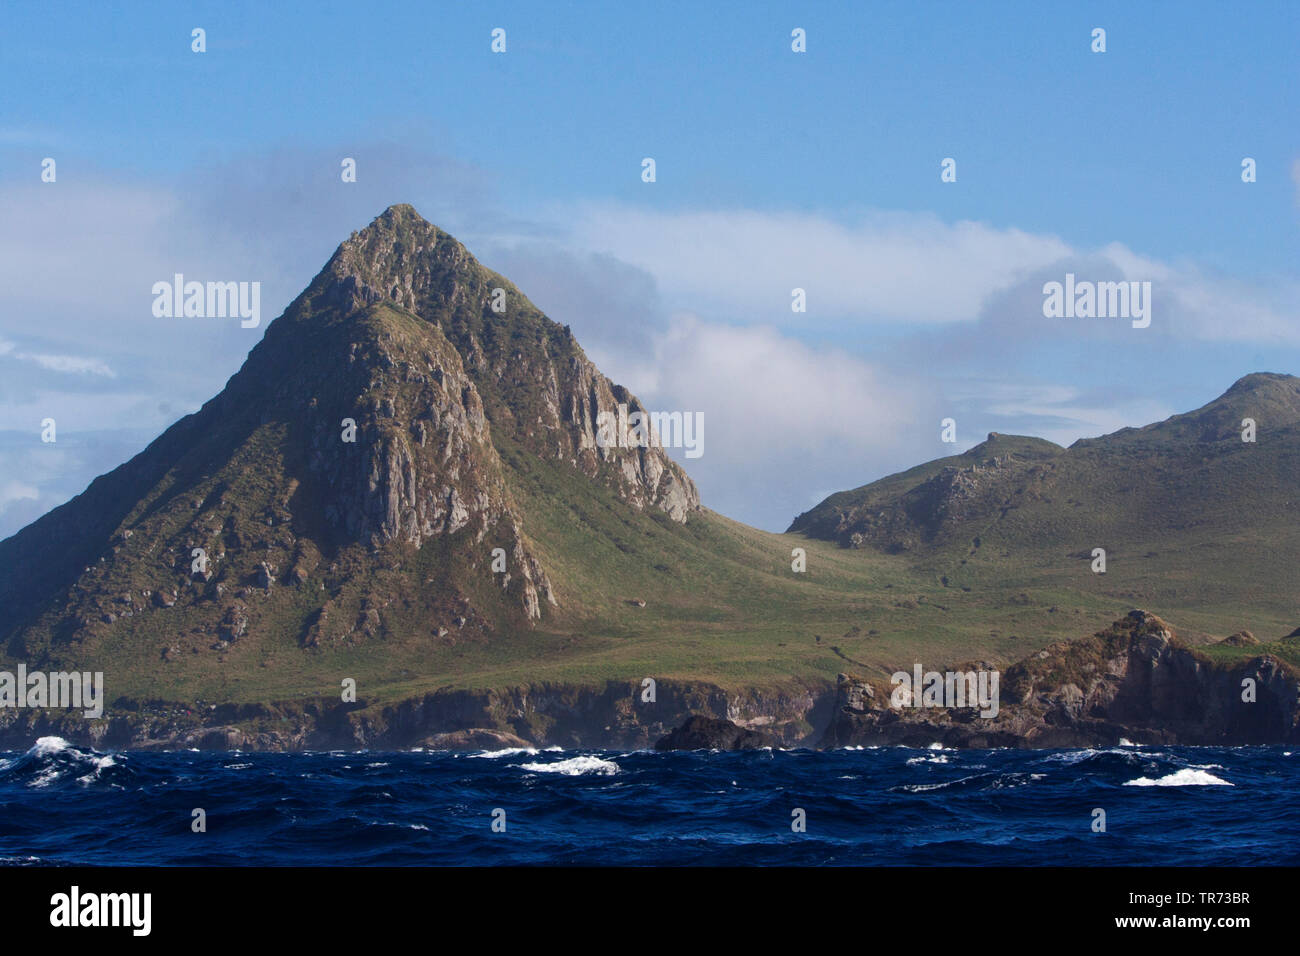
(892, 806)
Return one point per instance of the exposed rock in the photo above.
(1133, 681)
(476, 738)
(853, 694)
(709, 733)
(234, 624)
(402, 259)
(1240, 639)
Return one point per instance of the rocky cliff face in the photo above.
(1134, 681)
(614, 715)
(709, 733)
(536, 383)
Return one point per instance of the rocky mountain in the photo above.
(354, 479)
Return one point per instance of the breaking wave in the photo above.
(574, 766)
(1187, 777)
(52, 761)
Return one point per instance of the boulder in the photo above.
(476, 738)
(1240, 639)
(710, 733)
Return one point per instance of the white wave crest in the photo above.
(574, 766)
(507, 752)
(49, 745)
(1181, 778)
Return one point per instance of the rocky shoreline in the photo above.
(612, 716)
(1134, 681)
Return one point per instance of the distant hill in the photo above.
(1184, 496)
(923, 504)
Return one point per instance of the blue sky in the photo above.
(774, 170)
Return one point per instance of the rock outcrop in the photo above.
(536, 383)
(1133, 681)
(709, 733)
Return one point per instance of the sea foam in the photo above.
(574, 766)
(1181, 778)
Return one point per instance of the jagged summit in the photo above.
(538, 387)
(401, 257)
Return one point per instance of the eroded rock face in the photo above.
(415, 459)
(1133, 681)
(535, 382)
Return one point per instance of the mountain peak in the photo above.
(399, 257)
(1270, 399)
(537, 387)
(1025, 446)
(1272, 383)
(402, 210)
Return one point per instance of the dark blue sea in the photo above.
(894, 806)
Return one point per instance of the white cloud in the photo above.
(780, 416)
(907, 270)
(761, 389)
(1213, 308)
(58, 363)
(11, 491)
(887, 267)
